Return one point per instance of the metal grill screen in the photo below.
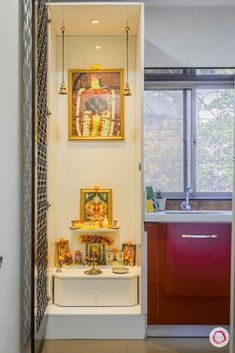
(27, 170)
(41, 238)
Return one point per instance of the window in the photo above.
(163, 139)
(188, 131)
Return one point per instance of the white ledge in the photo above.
(78, 272)
(209, 216)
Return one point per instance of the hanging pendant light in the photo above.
(63, 89)
(127, 91)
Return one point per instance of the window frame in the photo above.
(189, 81)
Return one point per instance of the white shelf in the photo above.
(94, 231)
(78, 272)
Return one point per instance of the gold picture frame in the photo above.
(61, 249)
(95, 204)
(129, 254)
(96, 104)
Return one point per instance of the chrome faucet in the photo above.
(185, 204)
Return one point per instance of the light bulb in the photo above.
(95, 21)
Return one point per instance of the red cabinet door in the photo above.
(188, 273)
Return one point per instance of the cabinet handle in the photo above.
(199, 236)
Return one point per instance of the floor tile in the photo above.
(151, 345)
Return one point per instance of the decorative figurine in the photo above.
(69, 258)
(60, 263)
(105, 223)
(78, 257)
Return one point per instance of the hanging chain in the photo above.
(127, 58)
(62, 31)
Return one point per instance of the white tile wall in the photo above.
(82, 164)
(11, 146)
(189, 37)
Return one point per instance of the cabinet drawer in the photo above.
(197, 260)
(188, 273)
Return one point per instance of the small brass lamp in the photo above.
(127, 90)
(63, 89)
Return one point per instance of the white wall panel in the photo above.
(195, 36)
(9, 178)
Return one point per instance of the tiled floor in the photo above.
(152, 345)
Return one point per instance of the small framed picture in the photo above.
(114, 257)
(61, 249)
(129, 254)
(95, 205)
(95, 250)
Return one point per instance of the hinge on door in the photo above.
(48, 113)
(140, 167)
(48, 205)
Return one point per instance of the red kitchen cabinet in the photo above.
(188, 273)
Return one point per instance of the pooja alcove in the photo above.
(113, 164)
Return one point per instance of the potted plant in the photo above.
(160, 200)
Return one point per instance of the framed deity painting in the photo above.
(129, 254)
(95, 205)
(96, 104)
(61, 250)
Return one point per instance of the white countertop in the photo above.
(209, 216)
(78, 272)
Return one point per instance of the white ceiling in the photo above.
(77, 16)
(77, 19)
(170, 3)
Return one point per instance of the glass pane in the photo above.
(209, 71)
(163, 139)
(214, 139)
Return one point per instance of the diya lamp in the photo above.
(76, 223)
(114, 224)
